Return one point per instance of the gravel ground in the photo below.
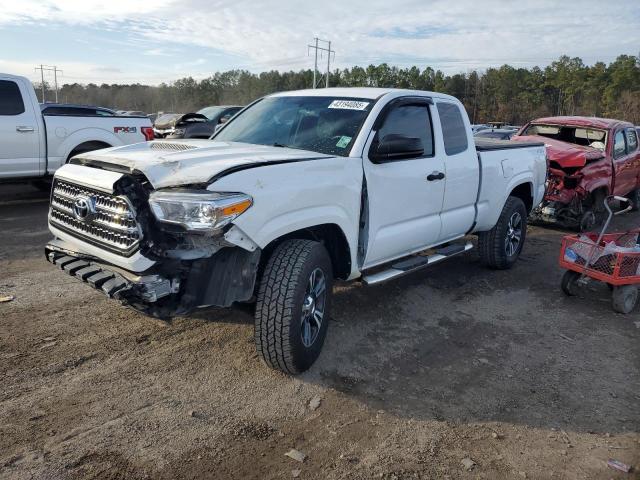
(453, 372)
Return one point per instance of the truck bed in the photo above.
(488, 144)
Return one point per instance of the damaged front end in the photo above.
(576, 177)
(564, 201)
(163, 253)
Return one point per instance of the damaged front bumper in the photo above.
(168, 288)
(139, 291)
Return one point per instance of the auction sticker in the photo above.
(343, 142)
(349, 104)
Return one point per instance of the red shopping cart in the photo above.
(612, 258)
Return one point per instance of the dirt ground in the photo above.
(453, 363)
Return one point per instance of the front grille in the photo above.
(110, 222)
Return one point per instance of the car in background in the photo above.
(167, 123)
(588, 159)
(135, 113)
(478, 127)
(75, 110)
(496, 133)
(192, 126)
(220, 114)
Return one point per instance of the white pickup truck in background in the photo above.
(296, 190)
(33, 145)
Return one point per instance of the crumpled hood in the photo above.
(174, 119)
(183, 162)
(563, 153)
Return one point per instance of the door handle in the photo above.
(435, 176)
(24, 129)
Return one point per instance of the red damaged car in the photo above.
(588, 158)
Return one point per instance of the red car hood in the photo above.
(563, 153)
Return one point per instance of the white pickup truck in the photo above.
(298, 189)
(33, 144)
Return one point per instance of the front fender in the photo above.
(298, 195)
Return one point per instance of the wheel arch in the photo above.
(330, 235)
(87, 146)
(523, 191)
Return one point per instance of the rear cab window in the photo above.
(454, 131)
(11, 102)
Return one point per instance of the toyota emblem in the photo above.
(84, 208)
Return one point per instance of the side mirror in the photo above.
(396, 147)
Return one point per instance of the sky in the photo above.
(125, 41)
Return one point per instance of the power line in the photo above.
(49, 68)
(320, 49)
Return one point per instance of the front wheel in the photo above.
(501, 246)
(292, 311)
(569, 283)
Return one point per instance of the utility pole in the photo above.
(42, 80)
(320, 49)
(49, 68)
(315, 65)
(328, 68)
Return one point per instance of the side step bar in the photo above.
(412, 264)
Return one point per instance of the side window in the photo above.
(632, 140)
(10, 98)
(410, 121)
(453, 129)
(619, 146)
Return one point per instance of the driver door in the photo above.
(405, 196)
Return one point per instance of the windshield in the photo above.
(589, 137)
(210, 112)
(321, 124)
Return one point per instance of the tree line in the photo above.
(513, 95)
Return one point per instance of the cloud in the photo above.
(266, 34)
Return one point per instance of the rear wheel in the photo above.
(624, 298)
(501, 246)
(293, 307)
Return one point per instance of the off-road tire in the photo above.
(491, 244)
(624, 298)
(281, 293)
(568, 283)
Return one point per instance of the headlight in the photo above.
(199, 211)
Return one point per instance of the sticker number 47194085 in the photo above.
(349, 104)
(125, 129)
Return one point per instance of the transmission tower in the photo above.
(317, 48)
(49, 68)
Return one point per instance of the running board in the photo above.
(412, 264)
